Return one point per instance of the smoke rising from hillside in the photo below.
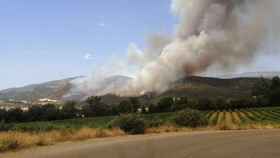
(211, 33)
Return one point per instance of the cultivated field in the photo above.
(244, 116)
(24, 135)
(215, 118)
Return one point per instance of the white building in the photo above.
(25, 109)
(45, 101)
(48, 100)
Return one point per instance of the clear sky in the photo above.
(42, 40)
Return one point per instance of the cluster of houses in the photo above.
(25, 105)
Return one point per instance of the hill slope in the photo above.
(190, 86)
(53, 90)
(212, 87)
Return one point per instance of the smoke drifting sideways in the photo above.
(219, 34)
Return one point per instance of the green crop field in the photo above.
(239, 117)
(244, 116)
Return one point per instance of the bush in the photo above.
(37, 127)
(5, 127)
(190, 118)
(131, 124)
(165, 104)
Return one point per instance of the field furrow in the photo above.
(268, 116)
(221, 118)
(214, 118)
(228, 118)
(250, 116)
(235, 118)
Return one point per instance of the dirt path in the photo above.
(230, 144)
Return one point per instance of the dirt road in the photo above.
(231, 144)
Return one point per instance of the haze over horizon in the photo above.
(48, 40)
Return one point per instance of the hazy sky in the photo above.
(53, 39)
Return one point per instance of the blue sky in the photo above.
(46, 40)
(51, 39)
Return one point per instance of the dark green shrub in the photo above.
(5, 126)
(37, 127)
(165, 104)
(131, 124)
(190, 118)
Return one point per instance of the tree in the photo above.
(15, 115)
(274, 95)
(165, 104)
(35, 113)
(2, 115)
(135, 103)
(267, 93)
(180, 104)
(50, 112)
(261, 88)
(204, 104)
(94, 107)
(93, 100)
(125, 107)
(220, 104)
(69, 110)
(275, 83)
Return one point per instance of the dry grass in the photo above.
(172, 128)
(232, 126)
(19, 140)
(227, 126)
(260, 126)
(222, 126)
(163, 129)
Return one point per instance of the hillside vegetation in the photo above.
(53, 89)
(190, 86)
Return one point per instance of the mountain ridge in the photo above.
(193, 86)
(52, 89)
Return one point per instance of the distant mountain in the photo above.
(61, 89)
(206, 87)
(53, 90)
(198, 87)
(268, 74)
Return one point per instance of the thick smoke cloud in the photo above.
(211, 33)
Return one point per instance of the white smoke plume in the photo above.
(211, 33)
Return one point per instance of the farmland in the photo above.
(24, 135)
(270, 115)
(244, 116)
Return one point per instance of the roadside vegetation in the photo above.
(15, 140)
(46, 125)
(24, 135)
